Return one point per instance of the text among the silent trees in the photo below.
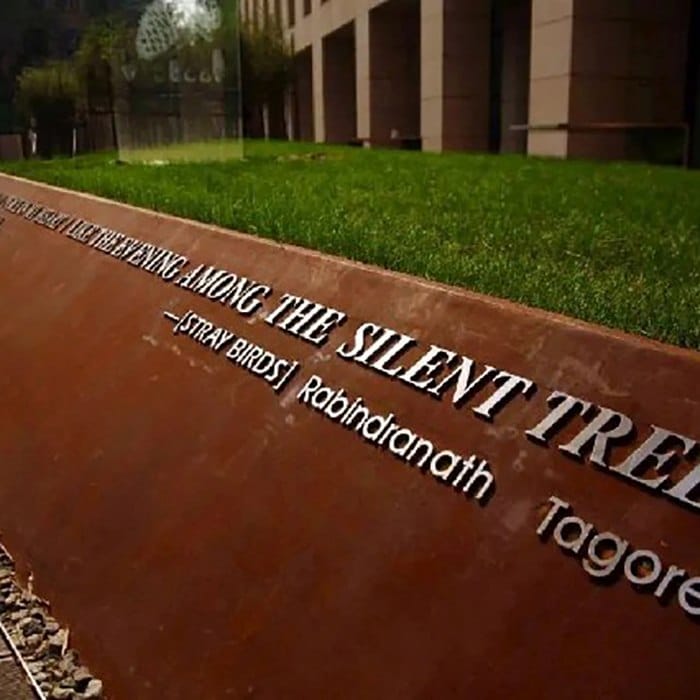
(660, 460)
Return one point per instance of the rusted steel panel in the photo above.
(204, 536)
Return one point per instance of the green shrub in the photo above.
(52, 87)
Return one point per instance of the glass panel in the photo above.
(176, 80)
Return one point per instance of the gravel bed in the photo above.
(42, 642)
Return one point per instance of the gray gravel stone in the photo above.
(93, 690)
(31, 626)
(33, 641)
(41, 642)
(81, 678)
(57, 641)
(61, 694)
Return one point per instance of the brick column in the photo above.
(432, 17)
(317, 79)
(455, 73)
(394, 39)
(466, 79)
(550, 74)
(628, 65)
(605, 62)
(362, 74)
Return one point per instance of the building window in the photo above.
(291, 10)
(307, 7)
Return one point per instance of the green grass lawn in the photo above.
(616, 244)
(217, 150)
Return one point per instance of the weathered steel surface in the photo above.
(204, 537)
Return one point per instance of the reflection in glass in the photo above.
(176, 81)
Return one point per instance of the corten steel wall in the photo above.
(205, 537)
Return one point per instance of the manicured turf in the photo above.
(616, 244)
